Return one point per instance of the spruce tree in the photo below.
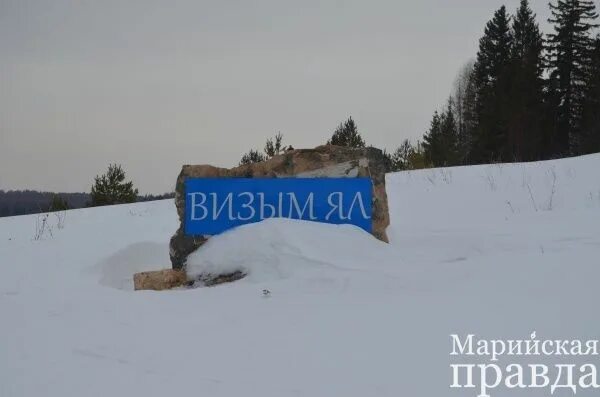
(400, 159)
(432, 141)
(449, 135)
(347, 135)
(590, 136)
(493, 82)
(111, 188)
(440, 143)
(526, 91)
(569, 58)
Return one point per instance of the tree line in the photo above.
(526, 96)
(108, 189)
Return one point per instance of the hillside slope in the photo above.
(499, 251)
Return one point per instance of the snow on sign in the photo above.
(213, 205)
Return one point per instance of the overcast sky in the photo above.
(153, 85)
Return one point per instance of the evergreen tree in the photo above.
(526, 91)
(347, 135)
(111, 188)
(407, 157)
(253, 156)
(400, 159)
(441, 141)
(570, 50)
(432, 141)
(590, 142)
(274, 146)
(449, 135)
(493, 82)
(416, 158)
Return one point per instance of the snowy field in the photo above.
(499, 251)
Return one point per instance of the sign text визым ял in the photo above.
(213, 205)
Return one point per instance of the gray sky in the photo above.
(157, 84)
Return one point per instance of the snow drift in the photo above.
(281, 248)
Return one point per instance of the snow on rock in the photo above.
(281, 248)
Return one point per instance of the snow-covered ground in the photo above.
(499, 251)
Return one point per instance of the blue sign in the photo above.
(213, 205)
